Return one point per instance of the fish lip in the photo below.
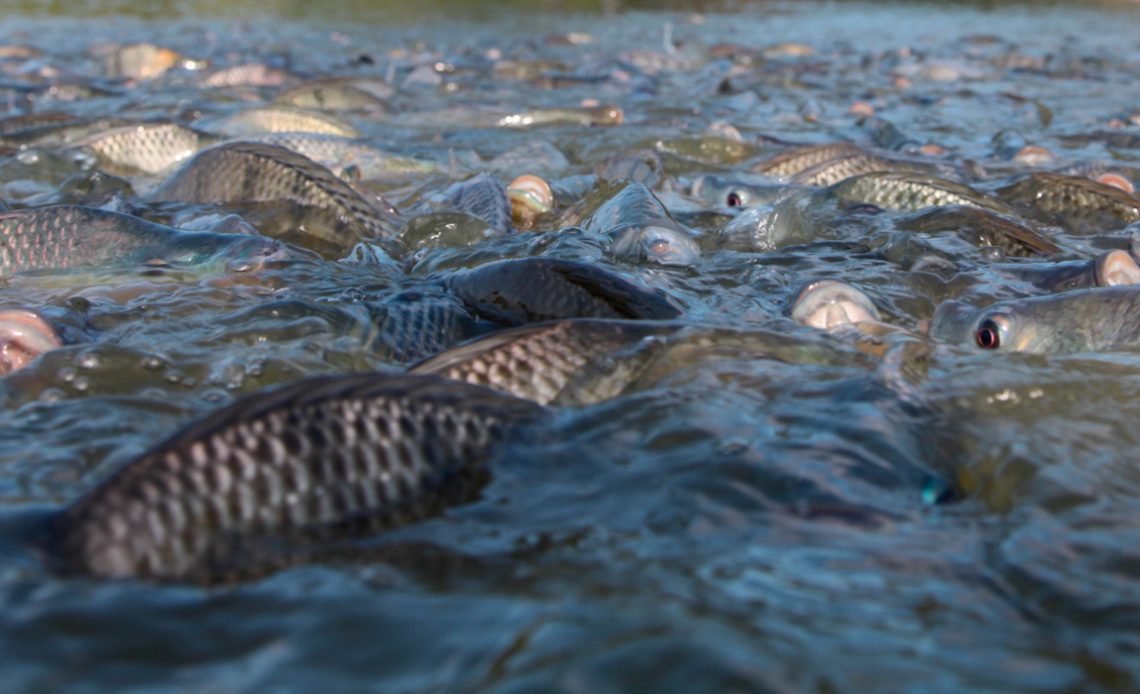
(27, 336)
(268, 254)
(827, 304)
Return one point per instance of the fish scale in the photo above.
(257, 172)
(316, 458)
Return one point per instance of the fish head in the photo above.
(655, 244)
(994, 328)
(24, 336)
(720, 192)
(829, 304)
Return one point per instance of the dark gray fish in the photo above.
(1101, 319)
(982, 228)
(642, 166)
(324, 458)
(482, 196)
(550, 362)
(529, 290)
(640, 229)
(414, 325)
(72, 237)
(24, 335)
(1076, 201)
(722, 191)
(244, 172)
(894, 190)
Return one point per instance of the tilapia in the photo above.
(1084, 320)
(245, 172)
(268, 479)
(72, 237)
(529, 290)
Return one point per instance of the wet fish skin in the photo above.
(909, 191)
(982, 228)
(71, 237)
(550, 362)
(530, 290)
(147, 147)
(276, 119)
(482, 196)
(642, 230)
(1099, 319)
(322, 458)
(1109, 269)
(829, 304)
(721, 191)
(243, 172)
(1071, 198)
(333, 94)
(833, 171)
(343, 156)
(789, 163)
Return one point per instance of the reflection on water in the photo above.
(783, 510)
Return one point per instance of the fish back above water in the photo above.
(1073, 199)
(68, 237)
(841, 168)
(911, 191)
(146, 147)
(798, 159)
(320, 459)
(242, 172)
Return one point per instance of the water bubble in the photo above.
(28, 156)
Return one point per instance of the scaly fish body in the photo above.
(243, 172)
(147, 147)
(71, 237)
(322, 458)
(911, 191)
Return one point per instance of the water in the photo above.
(740, 523)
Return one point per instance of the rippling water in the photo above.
(739, 524)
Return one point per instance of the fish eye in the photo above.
(988, 335)
(734, 200)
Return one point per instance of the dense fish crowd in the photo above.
(311, 298)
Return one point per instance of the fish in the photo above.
(1083, 320)
(640, 229)
(333, 94)
(276, 119)
(791, 162)
(482, 196)
(348, 158)
(1108, 269)
(1079, 203)
(24, 335)
(529, 290)
(833, 171)
(579, 362)
(531, 198)
(73, 237)
(326, 457)
(248, 75)
(245, 172)
(894, 190)
(597, 115)
(829, 304)
(721, 191)
(983, 228)
(150, 148)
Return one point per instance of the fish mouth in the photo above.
(23, 337)
(262, 256)
(829, 304)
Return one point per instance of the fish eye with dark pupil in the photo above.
(988, 335)
(734, 200)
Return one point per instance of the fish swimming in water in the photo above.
(247, 488)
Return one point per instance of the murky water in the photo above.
(738, 523)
